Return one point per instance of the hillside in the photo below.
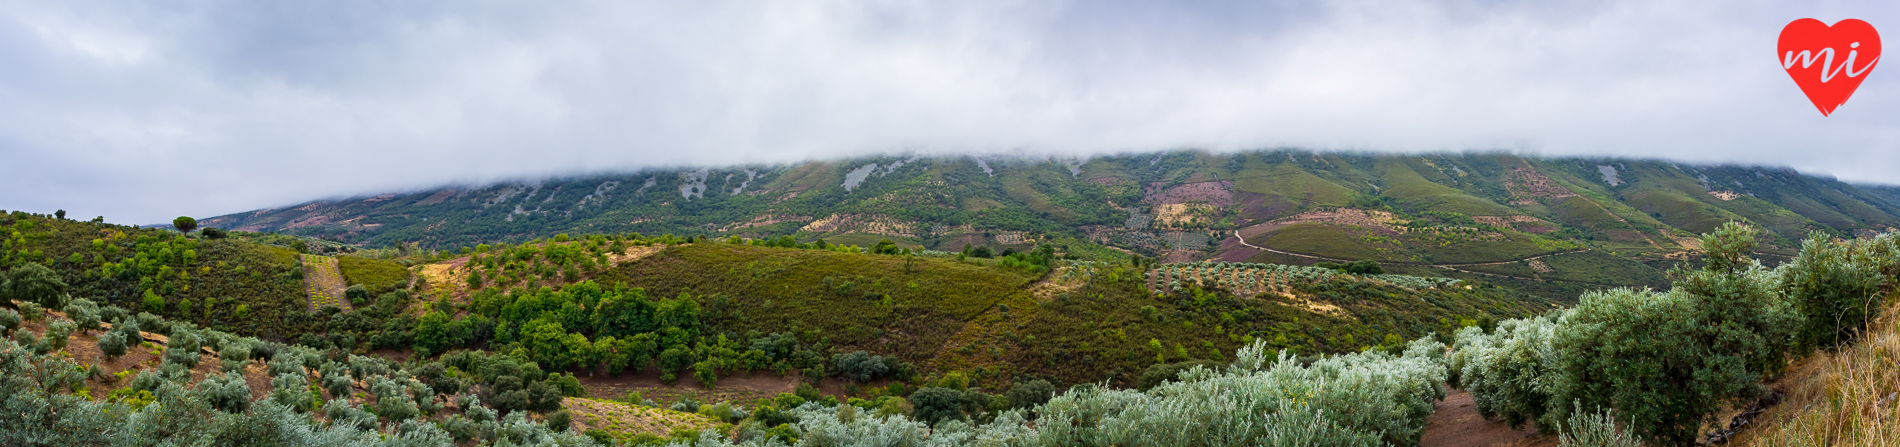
(1629, 218)
(603, 331)
(1038, 313)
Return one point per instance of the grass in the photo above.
(1415, 247)
(1598, 267)
(867, 240)
(1319, 240)
(999, 325)
(871, 301)
(1104, 329)
(1844, 398)
(371, 272)
(1418, 194)
(625, 421)
(1290, 181)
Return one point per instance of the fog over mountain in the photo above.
(142, 112)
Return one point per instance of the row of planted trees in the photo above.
(1661, 364)
(315, 397)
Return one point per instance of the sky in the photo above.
(142, 111)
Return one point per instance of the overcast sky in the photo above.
(141, 111)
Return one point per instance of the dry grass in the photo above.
(624, 420)
(1845, 398)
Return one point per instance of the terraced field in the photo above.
(1251, 279)
(323, 282)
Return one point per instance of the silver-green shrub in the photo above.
(1507, 371)
(1594, 429)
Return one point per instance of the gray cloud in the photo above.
(141, 112)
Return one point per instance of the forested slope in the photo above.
(1284, 206)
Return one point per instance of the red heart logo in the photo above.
(1828, 62)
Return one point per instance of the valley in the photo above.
(752, 303)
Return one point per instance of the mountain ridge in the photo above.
(1177, 206)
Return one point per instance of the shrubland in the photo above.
(1663, 364)
(1025, 348)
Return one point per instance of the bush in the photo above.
(860, 366)
(112, 344)
(57, 334)
(1594, 429)
(1837, 286)
(1664, 361)
(291, 390)
(560, 421)
(1030, 394)
(1156, 374)
(226, 392)
(32, 312)
(84, 313)
(357, 294)
(183, 349)
(9, 320)
(1508, 372)
(1368, 398)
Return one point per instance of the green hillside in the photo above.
(1037, 313)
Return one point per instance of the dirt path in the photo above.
(1455, 422)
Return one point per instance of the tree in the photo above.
(933, 405)
(183, 349)
(213, 233)
(185, 224)
(291, 390)
(1669, 361)
(546, 342)
(61, 214)
(33, 283)
(112, 344)
(860, 366)
(673, 361)
(226, 392)
(1031, 393)
(432, 331)
(357, 294)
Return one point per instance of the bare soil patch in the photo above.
(1455, 422)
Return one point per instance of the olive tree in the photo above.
(1667, 361)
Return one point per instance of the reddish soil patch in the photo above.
(1231, 251)
(1455, 422)
(1261, 207)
